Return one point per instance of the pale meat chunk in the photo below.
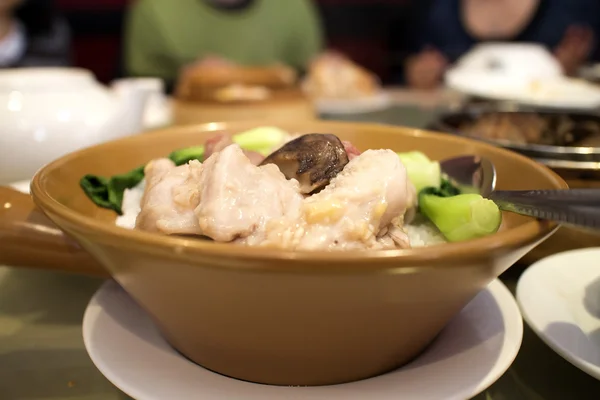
(361, 208)
(239, 198)
(170, 197)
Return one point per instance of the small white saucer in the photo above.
(474, 350)
(377, 102)
(559, 298)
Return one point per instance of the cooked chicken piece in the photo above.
(239, 198)
(361, 208)
(222, 140)
(170, 197)
(312, 159)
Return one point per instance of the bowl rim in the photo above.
(221, 254)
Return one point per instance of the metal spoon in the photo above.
(579, 207)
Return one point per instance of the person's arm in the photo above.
(306, 35)
(145, 53)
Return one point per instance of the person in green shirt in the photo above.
(164, 36)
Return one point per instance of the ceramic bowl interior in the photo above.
(282, 317)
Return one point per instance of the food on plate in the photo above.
(238, 91)
(332, 75)
(268, 188)
(530, 128)
(227, 82)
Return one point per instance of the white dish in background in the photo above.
(474, 350)
(378, 102)
(527, 60)
(559, 298)
(564, 93)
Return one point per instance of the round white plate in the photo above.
(564, 93)
(559, 298)
(474, 350)
(378, 102)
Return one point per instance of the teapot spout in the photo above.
(135, 95)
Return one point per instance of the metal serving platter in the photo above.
(569, 156)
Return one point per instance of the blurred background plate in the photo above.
(380, 101)
(560, 93)
(561, 140)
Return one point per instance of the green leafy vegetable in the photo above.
(108, 192)
(422, 172)
(184, 156)
(459, 216)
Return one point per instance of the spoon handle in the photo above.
(589, 197)
(582, 215)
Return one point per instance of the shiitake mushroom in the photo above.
(312, 159)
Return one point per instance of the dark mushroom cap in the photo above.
(312, 159)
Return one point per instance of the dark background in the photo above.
(372, 32)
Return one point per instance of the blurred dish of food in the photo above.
(339, 85)
(205, 80)
(565, 140)
(241, 92)
(219, 90)
(557, 93)
(523, 73)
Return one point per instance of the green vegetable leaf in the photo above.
(108, 192)
(184, 156)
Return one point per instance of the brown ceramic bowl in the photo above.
(276, 317)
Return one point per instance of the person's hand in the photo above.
(574, 48)
(425, 70)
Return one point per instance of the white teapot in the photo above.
(48, 112)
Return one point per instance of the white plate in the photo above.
(564, 93)
(378, 102)
(474, 350)
(559, 298)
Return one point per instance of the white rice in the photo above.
(132, 199)
(421, 232)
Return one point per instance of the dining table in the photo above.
(42, 354)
